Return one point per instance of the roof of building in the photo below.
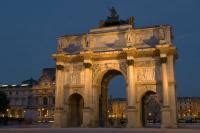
(30, 81)
(48, 73)
(24, 84)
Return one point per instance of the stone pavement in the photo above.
(98, 130)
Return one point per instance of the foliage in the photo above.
(4, 102)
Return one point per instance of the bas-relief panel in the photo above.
(147, 71)
(145, 74)
(150, 37)
(70, 45)
(110, 41)
(75, 75)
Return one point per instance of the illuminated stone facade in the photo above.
(188, 109)
(18, 99)
(43, 96)
(32, 100)
(85, 63)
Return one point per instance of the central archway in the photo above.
(110, 115)
(75, 113)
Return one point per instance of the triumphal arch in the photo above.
(85, 63)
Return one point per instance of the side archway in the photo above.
(75, 110)
(150, 110)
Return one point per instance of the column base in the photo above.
(59, 119)
(132, 117)
(174, 126)
(87, 118)
(165, 119)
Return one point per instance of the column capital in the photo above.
(130, 59)
(130, 62)
(60, 67)
(87, 65)
(163, 59)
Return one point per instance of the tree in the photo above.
(4, 102)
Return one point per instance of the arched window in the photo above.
(45, 100)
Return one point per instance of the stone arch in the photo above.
(75, 110)
(71, 92)
(142, 90)
(103, 81)
(102, 72)
(150, 109)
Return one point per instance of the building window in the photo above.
(45, 101)
(53, 100)
(36, 100)
(29, 100)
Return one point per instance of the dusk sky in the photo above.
(28, 31)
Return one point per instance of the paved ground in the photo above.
(46, 128)
(96, 130)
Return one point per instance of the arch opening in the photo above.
(75, 106)
(151, 110)
(112, 100)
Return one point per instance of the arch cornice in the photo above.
(117, 54)
(167, 49)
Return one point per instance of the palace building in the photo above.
(32, 100)
(18, 97)
(188, 109)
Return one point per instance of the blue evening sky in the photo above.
(28, 31)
